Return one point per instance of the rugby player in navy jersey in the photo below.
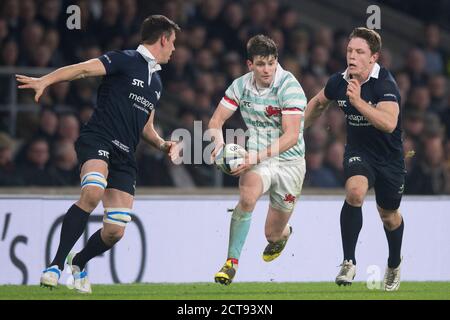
(126, 101)
(369, 97)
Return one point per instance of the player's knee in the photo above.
(247, 203)
(114, 221)
(391, 218)
(112, 236)
(93, 186)
(355, 196)
(391, 223)
(90, 198)
(247, 199)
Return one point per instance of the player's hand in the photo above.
(354, 92)
(37, 84)
(216, 150)
(171, 148)
(250, 160)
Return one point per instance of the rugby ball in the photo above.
(230, 157)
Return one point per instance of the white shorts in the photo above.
(283, 180)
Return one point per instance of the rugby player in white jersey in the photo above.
(272, 103)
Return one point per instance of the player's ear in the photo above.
(163, 40)
(374, 57)
(250, 65)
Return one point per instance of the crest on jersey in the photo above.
(271, 111)
(289, 198)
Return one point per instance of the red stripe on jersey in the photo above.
(292, 109)
(230, 101)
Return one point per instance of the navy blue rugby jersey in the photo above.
(128, 93)
(362, 136)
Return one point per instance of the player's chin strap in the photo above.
(117, 216)
(94, 179)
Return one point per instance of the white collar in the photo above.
(275, 83)
(147, 55)
(373, 74)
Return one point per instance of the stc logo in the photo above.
(103, 153)
(246, 104)
(138, 83)
(342, 103)
(354, 159)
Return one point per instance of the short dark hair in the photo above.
(371, 36)
(155, 26)
(261, 45)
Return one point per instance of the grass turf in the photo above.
(236, 291)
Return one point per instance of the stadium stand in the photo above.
(36, 141)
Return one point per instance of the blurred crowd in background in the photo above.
(210, 53)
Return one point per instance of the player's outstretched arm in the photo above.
(315, 107)
(90, 68)
(215, 125)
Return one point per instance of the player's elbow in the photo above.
(387, 128)
(390, 130)
(82, 69)
(390, 127)
(314, 110)
(90, 68)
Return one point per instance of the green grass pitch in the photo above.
(236, 291)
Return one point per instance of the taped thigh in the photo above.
(117, 216)
(94, 179)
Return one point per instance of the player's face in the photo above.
(360, 59)
(263, 69)
(168, 45)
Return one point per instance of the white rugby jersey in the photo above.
(262, 109)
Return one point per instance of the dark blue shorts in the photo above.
(388, 180)
(122, 169)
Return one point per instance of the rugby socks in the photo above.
(94, 247)
(351, 224)
(73, 225)
(394, 239)
(234, 262)
(239, 226)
